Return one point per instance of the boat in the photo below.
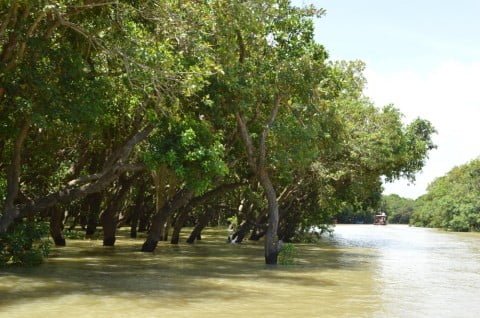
(380, 219)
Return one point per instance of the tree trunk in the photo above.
(109, 225)
(260, 228)
(110, 217)
(11, 211)
(256, 160)
(201, 224)
(239, 235)
(137, 209)
(143, 222)
(177, 227)
(93, 204)
(57, 215)
(166, 228)
(271, 238)
(82, 186)
(179, 201)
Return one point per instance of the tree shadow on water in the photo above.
(210, 268)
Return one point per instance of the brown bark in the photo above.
(93, 203)
(137, 209)
(240, 233)
(182, 217)
(109, 217)
(11, 211)
(179, 201)
(97, 184)
(57, 215)
(257, 162)
(201, 224)
(207, 216)
(271, 237)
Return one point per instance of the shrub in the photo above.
(287, 254)
(25, 244)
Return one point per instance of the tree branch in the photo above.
(98, 181)
(263, 138)
(247, 141)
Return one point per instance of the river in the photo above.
(361, 271)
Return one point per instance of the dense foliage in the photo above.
(161, 114)
(452, 201)
(26, 244)
(398, 209)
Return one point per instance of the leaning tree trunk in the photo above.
(201, 224)
(240, 233)
(177, 227)
(179, 201)
(75, 189)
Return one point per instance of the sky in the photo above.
(422, 56)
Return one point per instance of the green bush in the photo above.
(287, 254)
(25, 244)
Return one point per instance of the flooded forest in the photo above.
(191, 158)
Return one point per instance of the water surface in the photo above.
(362, 271)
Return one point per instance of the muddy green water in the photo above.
(362, 271)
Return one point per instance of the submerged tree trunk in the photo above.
(137, 210)
(204, 219)
(271, 237)
(166, 228)
(177, 227)
(10, 211)
(57, 215)
(110, 217)
(202, 222)
(257, 162)
(259, 229)
(240, 233)
(93, 204)
(179, 201)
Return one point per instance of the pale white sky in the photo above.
(424, 57)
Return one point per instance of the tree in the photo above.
(452, 201)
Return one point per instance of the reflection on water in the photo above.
(362, 271)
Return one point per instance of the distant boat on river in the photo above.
(380, 219)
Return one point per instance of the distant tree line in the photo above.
(452, 202)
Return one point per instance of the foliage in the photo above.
(191, 150)
(453, 201)
(312, 235)
(398, 209)
(287, 254)
(25, 244)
